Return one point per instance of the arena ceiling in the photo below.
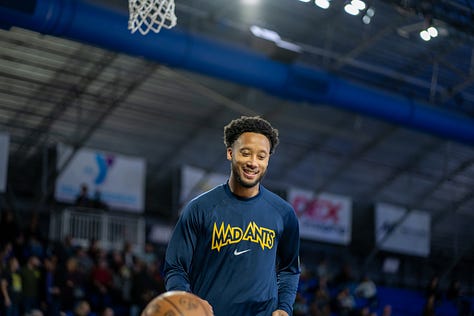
(54, 89)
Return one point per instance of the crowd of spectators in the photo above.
(321, 293)
(44, 278)
(39, 277)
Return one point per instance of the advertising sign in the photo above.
(324, 217)
(119, 179)
(402, 232)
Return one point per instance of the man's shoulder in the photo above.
(217, 190)
(208, 196)
(275, 199)
(204, 201)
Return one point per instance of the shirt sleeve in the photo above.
(180, 252)
(288, 271)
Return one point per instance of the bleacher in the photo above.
(113, 229)
(406, 302)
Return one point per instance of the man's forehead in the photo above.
(252, 137)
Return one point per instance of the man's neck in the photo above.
(241, 191)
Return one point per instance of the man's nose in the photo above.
(252, 162)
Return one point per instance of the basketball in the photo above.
(176, 303)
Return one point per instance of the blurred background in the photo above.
(374, 102)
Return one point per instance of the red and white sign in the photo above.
(324, 217)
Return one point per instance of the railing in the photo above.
(110, 229)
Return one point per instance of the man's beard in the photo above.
(242, 182)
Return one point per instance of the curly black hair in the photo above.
(252, 124)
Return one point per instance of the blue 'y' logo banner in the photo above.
(104, 162)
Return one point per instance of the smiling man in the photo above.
(236, 246)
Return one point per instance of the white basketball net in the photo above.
(146, 15)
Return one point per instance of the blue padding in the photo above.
(89, 23)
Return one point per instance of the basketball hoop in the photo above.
(146, 15)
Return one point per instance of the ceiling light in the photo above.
(370, 12)
(425, 35)
(429, 33)
(264, 33)
(359, 4)
(323, 4)
(289, 46)
(351, 9)
(305, 0)
(432, 31)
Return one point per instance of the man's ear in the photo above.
(229, 153)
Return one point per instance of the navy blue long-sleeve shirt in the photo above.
(241, 255)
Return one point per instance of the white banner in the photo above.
(411, 236)
(324, 217)
(4, 145)
(195, 181)
(119, 179)
(160, 233)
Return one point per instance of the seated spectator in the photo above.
(307, 283)
(82, 199)
(50, 287)
(128, 254)
(82, 308)
(63, 249)
(432, 288)
(149, 255)
(84, 261)
(95, 251)
(11, 288)
(367, 290)
(121, 280)
(300, 307)
(345, 303)
(35, 312)
(429, 308)
(101, 281)
(364, 311)
(144, 287)
(30, 284)
(344, 278)
(323, 269)
(6, 252)
(321, 304)
(387, 310)
(72, 285)
(107, 311)
(453, 292)
(323, 284)
(455, 295)
(98, 203)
